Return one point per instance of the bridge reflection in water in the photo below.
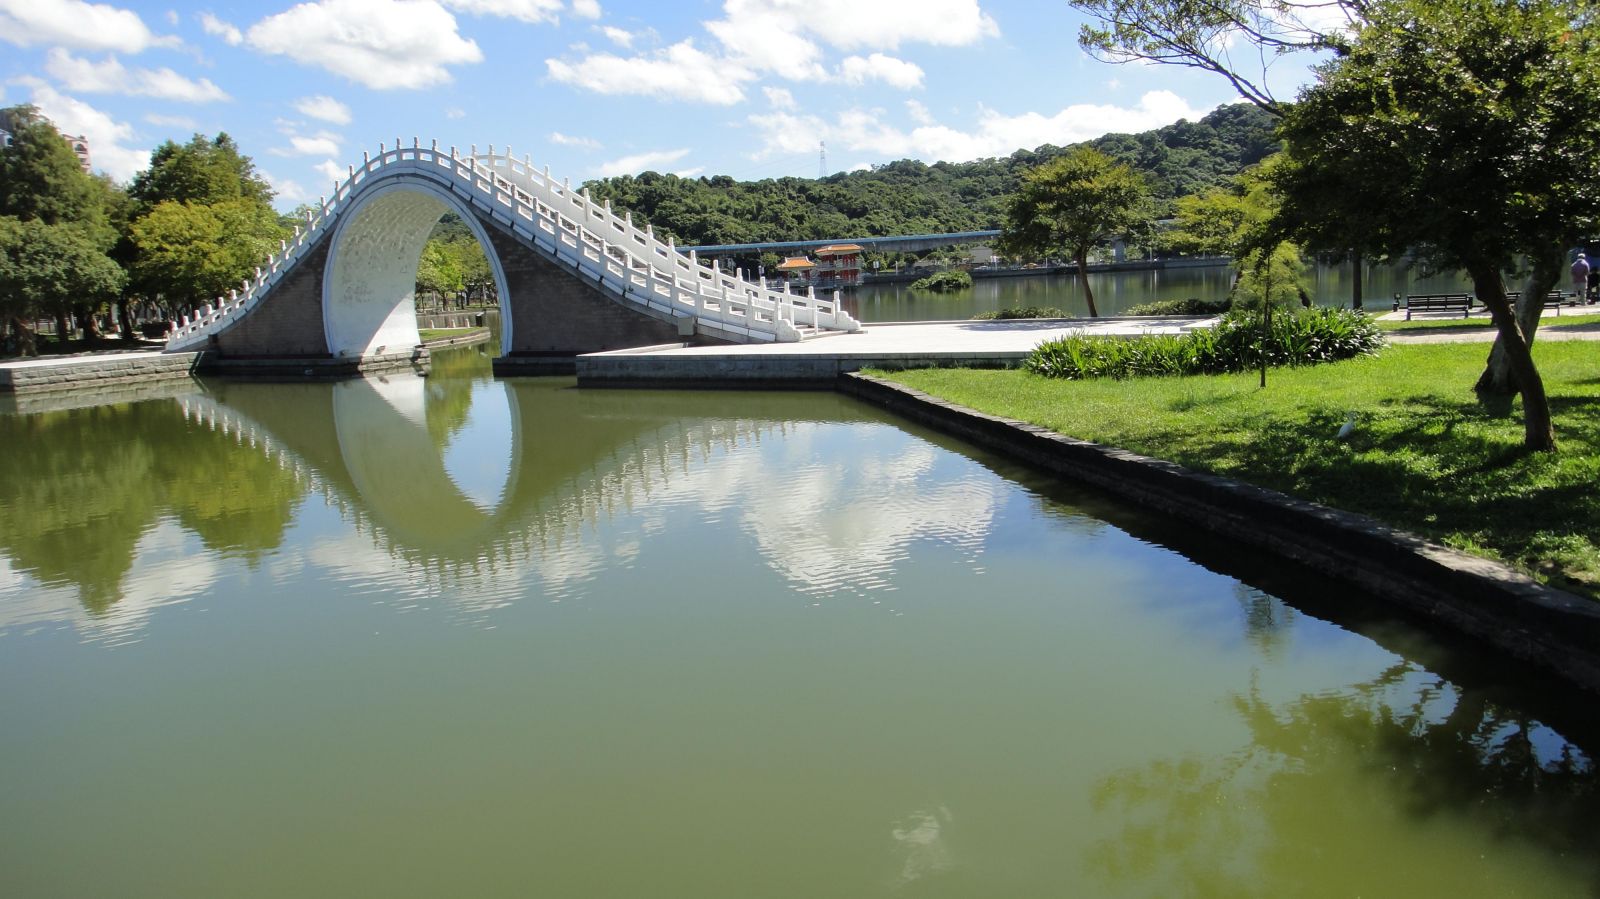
(1001, 692)
(479, 493)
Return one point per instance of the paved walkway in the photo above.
(897, 345)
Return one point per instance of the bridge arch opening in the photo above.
(369, 291)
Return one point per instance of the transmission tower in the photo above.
(822, 159)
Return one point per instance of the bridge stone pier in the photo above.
(573, 277)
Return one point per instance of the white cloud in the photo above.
(108, 138)
(455, 112)
(183, 123)
(690, 173)
(323, 144)
(618, 36)
(325, 108)
(640, 162)
(586, 9)
(74, 23)
(111, 77)
(779, 98)
(680, 72)
(532, 11)
(878, 67)
(289, 191)
(566, 140)
(381, 44)
(851, 24)
(331, 170)
(919, 113)
(214, 26)
(865, 130)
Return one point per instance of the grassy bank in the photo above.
(1425, 453)
(1569, 319)
(431, 334)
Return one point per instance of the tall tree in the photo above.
(205, 221)
(40, 177)
(1069, 205)
(50, 269)
(204, 170)
(1462, 130)
(191, 253)
(1236, 39)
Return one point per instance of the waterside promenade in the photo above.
(819, 360)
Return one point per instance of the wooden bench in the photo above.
(1437, 302)
(1555, 299)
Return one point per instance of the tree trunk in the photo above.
(1538, 431)
(1082, 258)
(26, 345)
(88, 323)
(1358, 300)
(1542, 277)
(125, 319)
(63, 327)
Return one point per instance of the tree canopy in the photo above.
(40, 177)
(1463, 130)
(193, 253)
(204, 170)
(1071, 203)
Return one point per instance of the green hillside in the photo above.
(911, 197)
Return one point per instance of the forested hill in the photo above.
(911, 197)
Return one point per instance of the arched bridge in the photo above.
(573, 277)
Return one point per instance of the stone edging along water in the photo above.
(1549, 629)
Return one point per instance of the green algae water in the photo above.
(458, 636)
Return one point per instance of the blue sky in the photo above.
(589, 87)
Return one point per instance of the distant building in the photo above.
(5, 138)
(80, 146)
(797, 269)
(838, 265)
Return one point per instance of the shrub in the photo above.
(1306, 337)
(1190, 306)
(1020, 312)
(944, 282)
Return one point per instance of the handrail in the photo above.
(610, 250)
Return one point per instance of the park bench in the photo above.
(1555, 299)
(1437, 302)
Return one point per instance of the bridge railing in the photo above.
(624, 258)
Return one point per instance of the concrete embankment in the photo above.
(1550, 630)
(89, 372)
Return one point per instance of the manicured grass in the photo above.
(1564, 320)
(1425, 455)
(428, 334)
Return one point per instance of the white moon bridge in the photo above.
(573, 277)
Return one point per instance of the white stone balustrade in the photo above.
(627, 262)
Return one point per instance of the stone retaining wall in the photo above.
(68, 374)
(1549, 629)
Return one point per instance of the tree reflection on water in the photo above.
(1337, 790)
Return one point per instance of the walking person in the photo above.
(1580, 277)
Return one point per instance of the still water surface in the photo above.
(1115, 292)
(460, 636)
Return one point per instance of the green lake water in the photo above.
(1115, 292)
(465, 636)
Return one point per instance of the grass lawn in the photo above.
(1566, 319)
(428, 334)
(1425, 455)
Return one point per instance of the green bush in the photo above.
(1305, 337)
(1020, 312)
(1190, 306)
(944, 282)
